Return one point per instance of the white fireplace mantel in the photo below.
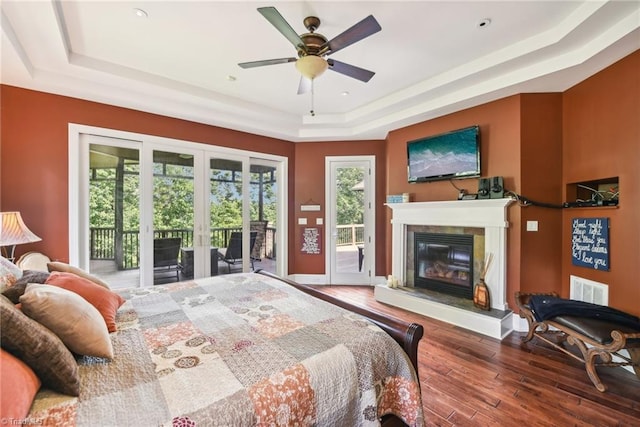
(489, 214)
(468, 213)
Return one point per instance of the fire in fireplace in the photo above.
(444, 263)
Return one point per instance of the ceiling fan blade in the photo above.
(253, 64)
(304, 86)
(359, 31)
(272, 15)
(350, 70)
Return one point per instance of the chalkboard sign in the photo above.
(311, 241)
(590, 243)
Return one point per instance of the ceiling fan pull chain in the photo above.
(313, 113)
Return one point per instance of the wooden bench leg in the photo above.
(589, 347)
(533, 327)
(590, 362)
(634, 354)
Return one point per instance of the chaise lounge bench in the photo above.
(587, 326)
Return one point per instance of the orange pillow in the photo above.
(106, 301)
(18, 387)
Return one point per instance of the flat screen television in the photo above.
(451, 155)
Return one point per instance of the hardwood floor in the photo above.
(468, 379)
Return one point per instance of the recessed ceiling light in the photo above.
(484, 23)
(231, 78)
(140, 13)
(345, 93)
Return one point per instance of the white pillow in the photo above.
(77, 323)
(9, 273)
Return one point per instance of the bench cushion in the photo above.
(546, 307)
(597, 330)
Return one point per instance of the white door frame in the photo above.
(146, 210)
(79, 190)
(79, 253)
(367, 275)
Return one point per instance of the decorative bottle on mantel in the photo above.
(481, 298)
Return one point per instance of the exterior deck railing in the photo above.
(103, 242)
(350, 234)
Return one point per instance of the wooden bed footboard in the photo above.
(407, 334)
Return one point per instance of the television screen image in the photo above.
(449, 155)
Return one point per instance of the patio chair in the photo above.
(232, 254)
(165, 257)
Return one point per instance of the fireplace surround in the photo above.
(490, 215)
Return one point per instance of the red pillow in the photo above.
(18, 387)
(104, 300)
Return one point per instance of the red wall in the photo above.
(310, 178)
(34, 148)
(500, 127)
(500, 151)
(601, 122)
(541, 181)
(538, 142)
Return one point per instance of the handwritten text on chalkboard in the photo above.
(311, 241)
(590, 243)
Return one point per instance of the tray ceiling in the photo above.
(431, 58)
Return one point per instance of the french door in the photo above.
(147, 212)
(350, 205)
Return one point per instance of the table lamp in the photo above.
(14, 232)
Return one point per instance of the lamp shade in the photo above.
(311, 66)
(13, 231)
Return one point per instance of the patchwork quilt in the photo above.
(238, 350)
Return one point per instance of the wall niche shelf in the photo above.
(599, 193)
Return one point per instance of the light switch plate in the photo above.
(532, 225)
(302, 221)
(319, 221)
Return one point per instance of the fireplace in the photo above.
(486, 221)
(444, 263)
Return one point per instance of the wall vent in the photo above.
(588, 291)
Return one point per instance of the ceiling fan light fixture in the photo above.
(311, 66)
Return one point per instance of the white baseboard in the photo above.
(322, 279)
(520, 324)
(309, 279)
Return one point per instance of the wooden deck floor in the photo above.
(468, 379)
(346, 257)
(106, 270)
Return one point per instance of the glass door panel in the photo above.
(350, 219)
(264, 213)
(173, 214)
(114, 213)
(135, 195)
(349, 242)
(226, 216)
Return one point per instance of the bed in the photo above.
(244, 349)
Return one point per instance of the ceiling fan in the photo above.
(313, 48)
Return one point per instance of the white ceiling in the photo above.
(431, 58)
